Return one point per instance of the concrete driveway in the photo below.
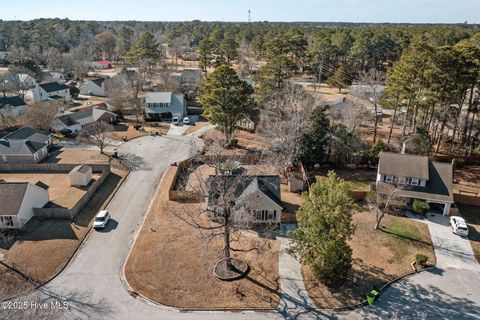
(451, 250)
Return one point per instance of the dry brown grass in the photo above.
(77, 155)
(378, 258)
(125, 130)
(43, 247)
(290, 203)
(198, 125)
(472, 216)
(466, 179)
(59, 189)
(172, 264)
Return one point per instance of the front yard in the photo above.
(378, 257)
(43, 247)
(172, 263)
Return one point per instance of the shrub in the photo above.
(421, 259)
(420, 206)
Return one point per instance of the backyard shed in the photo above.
(80, 175)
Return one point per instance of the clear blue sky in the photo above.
(415, 11)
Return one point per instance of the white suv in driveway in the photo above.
(459, 226)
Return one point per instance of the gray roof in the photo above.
(159, 97)
(84, 117)
(191, 75)
(14, 101)
(241, 186)
(20, 147)
(53, 86)
(99, 81)
(439, 186)
(11, 197)
(403, 165)
(83, 168)
(27, 133)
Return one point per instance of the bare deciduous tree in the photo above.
(372, 82)
(41, 115)
(97, 134)
(381, 201)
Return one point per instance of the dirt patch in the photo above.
(172, 264)
(61, 193)
(466, 180)
(127, 131)
(472, 215)
(290, 203)
(379, 256)
(43, 247)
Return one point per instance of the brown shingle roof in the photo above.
(11, 197)
(403, 165)
(439, 187)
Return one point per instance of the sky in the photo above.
(411, 11)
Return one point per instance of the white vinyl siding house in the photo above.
(12, 106)
(19, 200)
(94, 87)
(51, 91)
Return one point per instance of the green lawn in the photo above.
(403, 236)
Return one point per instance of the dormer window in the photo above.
(415, 182)
(388, 178)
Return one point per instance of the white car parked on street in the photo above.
(186, 120)
(459, 226)
(101, 219)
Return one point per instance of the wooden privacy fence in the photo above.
(467, 199)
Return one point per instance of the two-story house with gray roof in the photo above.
(165, 105)
(416, 177)
(51, 91)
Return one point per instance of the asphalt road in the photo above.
(91, 284)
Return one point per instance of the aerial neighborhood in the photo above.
(244, 170)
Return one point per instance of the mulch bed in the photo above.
(223, 272)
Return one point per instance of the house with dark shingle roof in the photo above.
(76, 121)
(416, 177)
(12, 106)
(95, 87)
(51, 91)
(255, 199)
(18, 200)
(26, 145)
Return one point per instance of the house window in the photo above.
(402, 180)
(270, 215)
(415, 182)
(35, 156)
(259, 215)
(6, 221)
(388, 178)
(275, 215)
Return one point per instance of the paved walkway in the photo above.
(294, 297)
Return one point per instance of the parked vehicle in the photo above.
(186, 120)
(459, 226)
(101, 219)
(176, 121)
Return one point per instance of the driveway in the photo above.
(177, 130)
(92, 287)
(451, 250)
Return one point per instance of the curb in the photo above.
(89, 231)
(154, 303)
(382, 289)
